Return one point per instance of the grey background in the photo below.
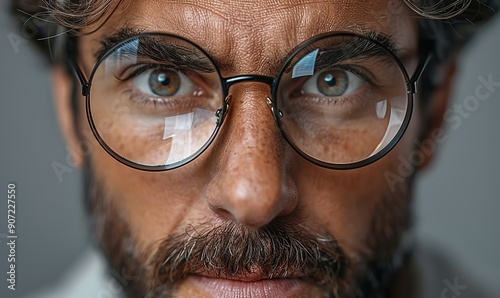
(457, 204)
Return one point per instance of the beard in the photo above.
(284, 247)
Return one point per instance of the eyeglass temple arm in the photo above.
(424, 61)
(70, 58)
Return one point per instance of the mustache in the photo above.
(281, 249)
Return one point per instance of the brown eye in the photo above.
(333, 82)
(164, 82)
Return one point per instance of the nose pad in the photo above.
(271, 106)
(250, 184)
(221, 113)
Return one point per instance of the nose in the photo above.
(250, 184)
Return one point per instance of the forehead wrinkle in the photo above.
(265, 42)
(260, 36)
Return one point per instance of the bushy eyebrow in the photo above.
(155, 49)
(109, 41)
(357, 48)
(158, 50)
(384, 39)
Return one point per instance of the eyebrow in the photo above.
(357, 48)
(158, 50)
(154, 48)
(109, 41)
(384, 39)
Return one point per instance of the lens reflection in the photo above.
(343, 99)
(154, 99)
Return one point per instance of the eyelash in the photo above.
(158, 102)
(346, 105)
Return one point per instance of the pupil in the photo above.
(330, 80)
(163, 79)
(164, 82)
(333, 83)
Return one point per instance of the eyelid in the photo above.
(141, 68)
(358, 71)
(361, 72)
(341, 106)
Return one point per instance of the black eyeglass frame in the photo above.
(226, 83)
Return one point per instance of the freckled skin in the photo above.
(250, 174)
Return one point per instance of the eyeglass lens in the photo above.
(154, 99)
(342, 99)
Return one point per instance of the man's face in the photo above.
(250, 217)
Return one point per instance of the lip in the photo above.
(253, 287)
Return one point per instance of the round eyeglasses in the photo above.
(156, 101)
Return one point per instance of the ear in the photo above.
(62, 88)
(433, 132)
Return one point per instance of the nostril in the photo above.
(221, 213)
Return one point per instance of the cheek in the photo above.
(153, 204)
(349, 204)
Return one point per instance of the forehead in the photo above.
(251, 36)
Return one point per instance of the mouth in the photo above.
(256, 286)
